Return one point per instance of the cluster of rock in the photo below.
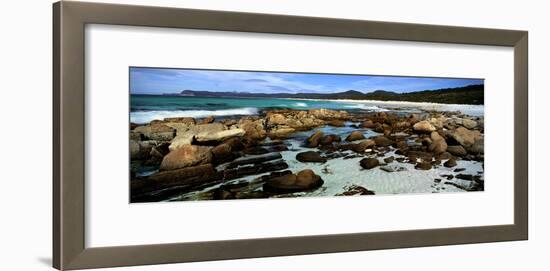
(191, 155)
(425, 140)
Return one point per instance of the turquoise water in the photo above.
(147, 108)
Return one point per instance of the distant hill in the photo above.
(472, 94)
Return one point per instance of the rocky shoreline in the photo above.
(254, 157)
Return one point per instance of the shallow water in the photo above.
(339, 174)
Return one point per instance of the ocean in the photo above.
(145, 108)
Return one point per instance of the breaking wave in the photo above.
(148, 116)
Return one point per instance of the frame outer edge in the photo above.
(56, 221)
(70, 99)
(521, 136)
(69, 20)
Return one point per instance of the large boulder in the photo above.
(477, 147)
(219, 136)
(456, 150)
(254, 129)
(423, 127)
(326, 114)
(179, 176)
(186, 156)
(368, 163)
(402, 125)
(329, 139)
(222, 153)
(438, 121)
(367, 124)
(181, 140)
(227, 151)
(423, 166)
(280, 132)
(276, 119)
(465, 137)
(187, 132)
(303, 181)
(183, 120)
(310, 157)
(180, 123)
(382, 141)
(364, 145)
(355, 135)
(314, 140)
(141, 149)
(208, 119)
(468, 123)
(438, 145)
(156, 131)
(165, 184)
(450, 163)
(134, 149)
(309, 122)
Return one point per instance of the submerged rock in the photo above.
(253, 169)
(392, 168)
(253, 159)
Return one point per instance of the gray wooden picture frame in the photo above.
(69, 20)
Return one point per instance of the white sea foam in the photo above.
(366, 107)
(147, 116)
(300, 104)
(468, 109)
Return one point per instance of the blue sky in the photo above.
(159, 81)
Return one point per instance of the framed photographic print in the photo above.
(189, 135)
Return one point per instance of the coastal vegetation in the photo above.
(471, 94)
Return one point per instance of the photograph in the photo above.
(198, 134)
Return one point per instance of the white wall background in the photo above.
(25, 136)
